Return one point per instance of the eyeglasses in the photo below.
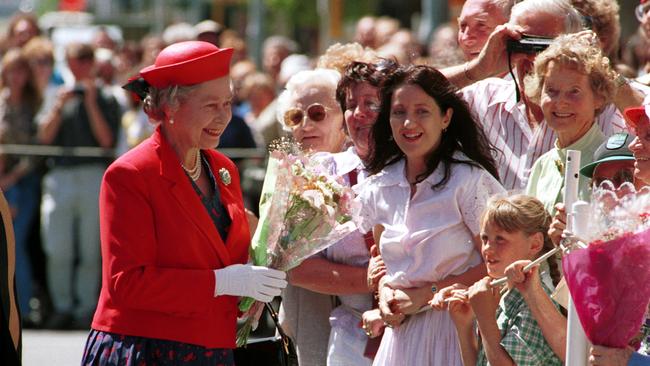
(622, 176)
(641, 10)
(315, 112)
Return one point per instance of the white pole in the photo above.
(571, 180)
(577, 219)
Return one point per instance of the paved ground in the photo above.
(53, 348)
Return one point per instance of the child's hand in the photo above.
(484, 298)
(605, 356)
(459, 309)
(372, 323)
(524, 282)
(439, 301)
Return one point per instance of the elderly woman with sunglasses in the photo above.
(341, 271)
(174, 235)
(309, 110)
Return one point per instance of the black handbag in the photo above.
(264, 347)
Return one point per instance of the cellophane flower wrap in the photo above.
(304, 209)
(609, 280)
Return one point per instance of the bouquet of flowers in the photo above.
(609, 280)
(303, 210)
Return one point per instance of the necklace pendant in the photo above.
(224, 174)
(559, 165)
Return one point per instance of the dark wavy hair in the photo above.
(362, 72)
(463, 133)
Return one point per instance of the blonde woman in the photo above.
(572, 82)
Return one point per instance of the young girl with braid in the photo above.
(512, 229)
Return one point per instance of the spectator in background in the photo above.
(602, 16)
(443, 49)
(105, 72)
(274, 51)
(230, 38)
(208, 31)
(292, 65)
(385, 27)
(126, 59)
(405, 40)
(365, 31)
(21, 28)
(477, 20)
(39, 51)
(258, 90)
(238, 73)
(20, 99)
(178, 32)
(638, 48)
(103, 39)
(151, 47)
(83, 115)
(338, 56)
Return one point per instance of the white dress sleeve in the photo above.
(366, 198)
(473, 197)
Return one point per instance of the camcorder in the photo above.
(528, 44)
(78, 90)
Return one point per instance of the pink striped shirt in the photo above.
(506, 126)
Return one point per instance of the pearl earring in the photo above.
(171, 121)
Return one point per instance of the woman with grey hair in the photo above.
(308, 108)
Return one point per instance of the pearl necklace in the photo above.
(195, 172)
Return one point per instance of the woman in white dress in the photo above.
(433, 172)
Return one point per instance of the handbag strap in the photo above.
(283, 335)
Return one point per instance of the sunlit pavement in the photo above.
(53, 348)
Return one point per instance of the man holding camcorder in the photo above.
(82, 116)
(513, 123)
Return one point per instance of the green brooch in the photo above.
(224, 174)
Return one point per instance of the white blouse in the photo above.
(430, 236)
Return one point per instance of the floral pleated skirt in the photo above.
(108, 349)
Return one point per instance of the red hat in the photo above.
(188, 63)
(634, 114)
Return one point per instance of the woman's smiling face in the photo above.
(318, 132)
(416, 121)
(362, 108)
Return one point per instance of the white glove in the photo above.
(260, 283)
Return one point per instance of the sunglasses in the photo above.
(295, 116)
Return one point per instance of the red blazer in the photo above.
(160, 247)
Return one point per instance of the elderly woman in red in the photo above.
(174, 234)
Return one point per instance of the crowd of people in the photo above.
(456, 156)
